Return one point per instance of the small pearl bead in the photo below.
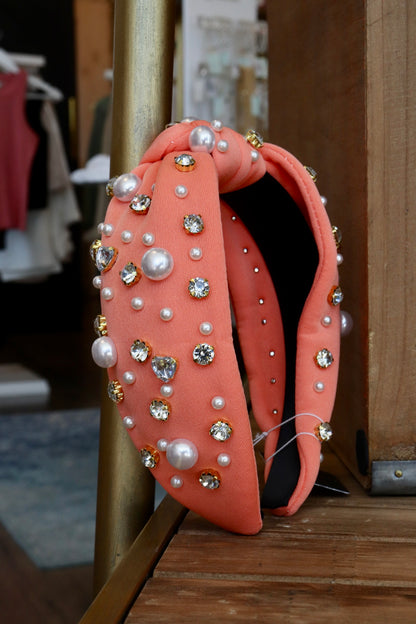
(97, 281)
(347, 323)
(256, 269)
(126, 236)
(340, 259)
(108, 229)
(326, 321)
(148, 239)
(324, 200)
(188, 119)
(272, 353)
(245, 250)
(223, 459)
(273, 380)
(107, 293)
(233, 218)
(166, 314)
(217, 125)
(275, 412)
(166, 390)
(206, 328)
(218, 402)
(181, 191)
(129, 377)
(100, 228)
(162, 444)
(176, 482)
(319, 386)
(261, 301)
(222, 146)
(264, 321)
(128, 422)
(195, 253)
(137, 303)
(254, 155)
(182, 454)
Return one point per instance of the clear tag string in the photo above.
(264, 434)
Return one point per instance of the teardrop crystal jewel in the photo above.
(105, 258)
(164, 367)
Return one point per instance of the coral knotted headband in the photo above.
(210, 217)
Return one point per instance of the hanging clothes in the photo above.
(17, 150)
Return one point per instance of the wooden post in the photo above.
(343, 99)
(142, 96)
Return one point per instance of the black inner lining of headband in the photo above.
(289, 250)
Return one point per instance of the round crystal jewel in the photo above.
(323, 431)
(337, 234)
(193, 223)
(324, 358)
(149, 456)
(140, 350)
(209, 480)
(221, 431)
(198, 287)
(159, 409)
(184, 162)
(254, 138)
(336, 296)
(203, 354)
(130, 274)
(115, 391)
(100, 325)
(140, 204)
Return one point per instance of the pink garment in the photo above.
(18, 143)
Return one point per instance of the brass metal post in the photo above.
(141, 107)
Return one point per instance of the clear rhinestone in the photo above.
(323, 431)
(140, 204)
(312, 173)
(209, 480)
(164, 367)
(337, 234)
(184, 162)
(159, 409)
(150, 457)
(130, 274)
(100, 325)
(324, 358)
(140, 350)
(254, 138)
(115, 391)
(109, 187)
(198, 287)
(193, 223)
(93, 248)
(221, 431)
(203, 354)
(105, 257)
(336, 296)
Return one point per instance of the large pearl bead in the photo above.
(202, 139)
(346, 323)
(125, 186)
(157, 264)
(182, 454)
(104, 352)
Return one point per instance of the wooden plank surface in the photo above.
(341, 557)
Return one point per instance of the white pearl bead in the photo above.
(137, 303)
(129, 377)
(176, 482)
(128, 422)
(188, 119)
(166, 314)
(340, 259)
(326, 321)
(324, 200)
(162, 444)
(107, 293)
(126, 236)
(222, 146)
(108, 229)
(182, 454)
(181, 191)
(195, 253)
(319, 386)
(166, 390)
(202, 139)
(217, 125)
(148, 239)
(254, 156)
(157, 264)
(347, 323)
(218, 402)
(206, 328)
(223, 459)
(97, 281)
(104, 352)
(125, 186)
(100, 228)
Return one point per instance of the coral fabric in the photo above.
(235, 504)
